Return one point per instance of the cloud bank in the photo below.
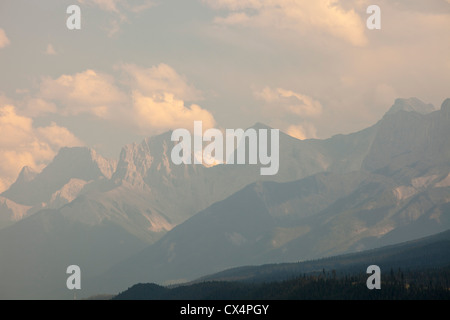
(302, 16)
(147, 100)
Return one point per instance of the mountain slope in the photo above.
(340, 277)
(146, 196)
(323, 215)
(270, 222)
(428, 252)
(11, 212)
(36, 251)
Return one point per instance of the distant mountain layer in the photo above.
(353, 287)
(423, 253)
(323, 215)
(407, 270)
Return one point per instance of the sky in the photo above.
(139, 68)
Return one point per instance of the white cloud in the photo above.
(36, 106)
(4, 41)
(57, 137)
(301, 16)
(86, 92)
(293, 111)
(148, 100)
(23, 144)
(290, 102)
(4, 100)
(158, 99)
(158, 80)
(159, 113)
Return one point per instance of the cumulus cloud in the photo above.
(86, 92)
(158, 99)
(23, 144)
(4, 41)
(37, 106)
(57, 137)
(295, 103)
(162, 112)
(148, 100)
(158, 80)
(302, 16)
(293, 109)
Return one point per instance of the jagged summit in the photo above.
(136, 160)
(411, 104)
(446, 106)
(26, 175)
(78, 162)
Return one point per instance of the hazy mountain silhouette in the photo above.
(407, 269)
(378, 178)
(429, 252)
(321, 215)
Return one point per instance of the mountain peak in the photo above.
(136, 160)
(26, 175)
(411, 104)
(446, 106)
(77, 162)
(259, 125)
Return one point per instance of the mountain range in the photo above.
(144, 219)
(338, 277)
(423, 253)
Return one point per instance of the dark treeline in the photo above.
(395, 285)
